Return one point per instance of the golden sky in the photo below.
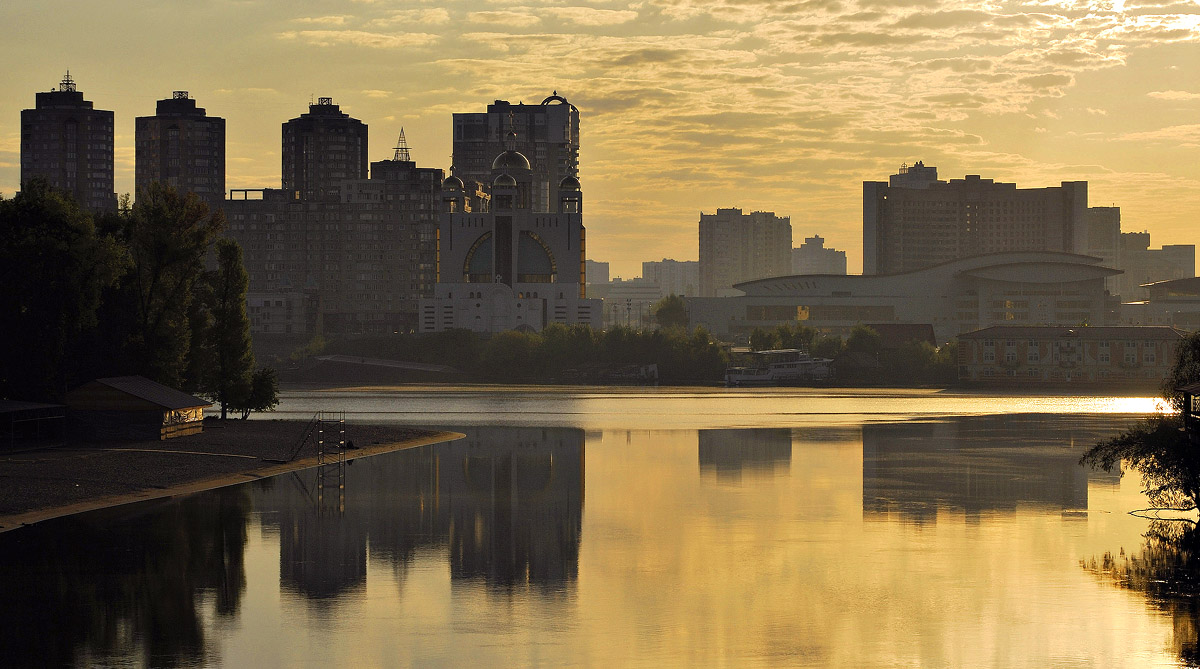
(685, 105)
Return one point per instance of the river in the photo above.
(602, 526)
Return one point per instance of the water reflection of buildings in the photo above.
(728, 454)
(975, 464)
(507, 503)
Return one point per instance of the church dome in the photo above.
(505, 181)
(568, 183)
(452, 183)
(510, 160)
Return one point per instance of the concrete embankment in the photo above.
(44, 482)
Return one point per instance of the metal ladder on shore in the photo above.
(330, 429)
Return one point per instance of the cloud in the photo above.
(510, 18)
(431, 17)
(322, 20)
(376, 93)
(1173, 95)
(588, 16)
(327, 38)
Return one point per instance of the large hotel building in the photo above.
(916, 220)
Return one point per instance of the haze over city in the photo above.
(685, 106)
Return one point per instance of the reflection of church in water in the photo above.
(976, 464)
(506, 503)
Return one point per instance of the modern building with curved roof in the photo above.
(1014, 288)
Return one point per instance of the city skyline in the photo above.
(685, 107)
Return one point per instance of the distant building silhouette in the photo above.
(546, 133)
(1104, 240)
(915, 220)
(70, 144)
(1143, 265)
(737, 247)
(674, 277)
(321, 149)
(182, 147)
(596, 271)
(812, 257)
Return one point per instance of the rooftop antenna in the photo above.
(402, 148)
(67, 85)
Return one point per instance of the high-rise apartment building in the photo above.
(737, 247)
(181, 146)
(321, 149)
(547, 134)
(915, 220)
(357, 255)
(812, 257)
(673, 277)
(67, 142)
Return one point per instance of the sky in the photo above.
(685, 105)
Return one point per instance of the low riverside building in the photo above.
(134, 407)
(1137, 356)
(1175, 303)
(1015, 288)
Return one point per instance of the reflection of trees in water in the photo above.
(1167, 571)
(87, 588)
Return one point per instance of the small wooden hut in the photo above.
(134, 407)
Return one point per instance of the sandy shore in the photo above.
(47, 482)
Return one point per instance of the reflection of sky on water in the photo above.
(948, 542)
(680, 408)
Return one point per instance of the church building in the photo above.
(501, 264)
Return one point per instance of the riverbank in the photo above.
(46, 482)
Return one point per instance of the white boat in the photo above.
(780, 367)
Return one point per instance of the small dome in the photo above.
(568, 183)
(510, 160)
(505, 181)
(452, 183)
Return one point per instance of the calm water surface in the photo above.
(630, 527)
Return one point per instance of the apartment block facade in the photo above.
(69, 143)
(183, 147)
(737, 247)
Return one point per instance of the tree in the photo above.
(53, 269)
(763, 340)
(791, 335)
(864, 340)
(228, 336)
(263, 394)
(670, 311)
(168, 236)
(828, 347)
(1157, 447)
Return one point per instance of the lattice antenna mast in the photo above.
(67, 85)
(402, 148)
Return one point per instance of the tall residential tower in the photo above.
(321, 149)
(181, 146)
(70, 145)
